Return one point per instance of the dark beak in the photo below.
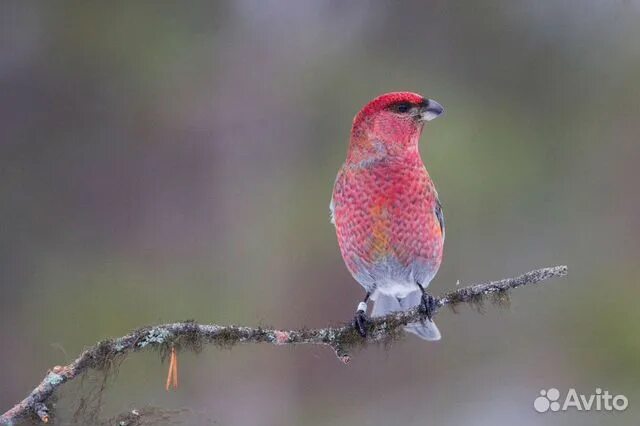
(430, 110)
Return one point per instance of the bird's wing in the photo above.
(332, 203)
(440, 215)
(332, 218)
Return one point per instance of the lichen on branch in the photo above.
(189, 335)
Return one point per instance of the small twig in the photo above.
(190, 335)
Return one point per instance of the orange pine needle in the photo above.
(172, 376)
(175, 370)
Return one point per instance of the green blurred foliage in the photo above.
(174, 160)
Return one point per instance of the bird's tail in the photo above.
(385, 304)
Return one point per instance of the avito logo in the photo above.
(549, 399)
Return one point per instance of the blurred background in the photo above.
(167, 161)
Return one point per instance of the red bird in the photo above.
(388, 218)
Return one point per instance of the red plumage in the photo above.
(385, 207)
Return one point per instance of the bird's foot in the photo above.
(361, 320)
(427, 305)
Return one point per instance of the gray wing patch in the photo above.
(440, 215)
(332, 204)
(332, 218)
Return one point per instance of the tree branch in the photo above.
(191, 335)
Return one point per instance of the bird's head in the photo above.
(391, 124)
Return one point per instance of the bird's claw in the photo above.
(360, 322)
(427, 305)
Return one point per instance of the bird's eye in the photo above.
(402, 107)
